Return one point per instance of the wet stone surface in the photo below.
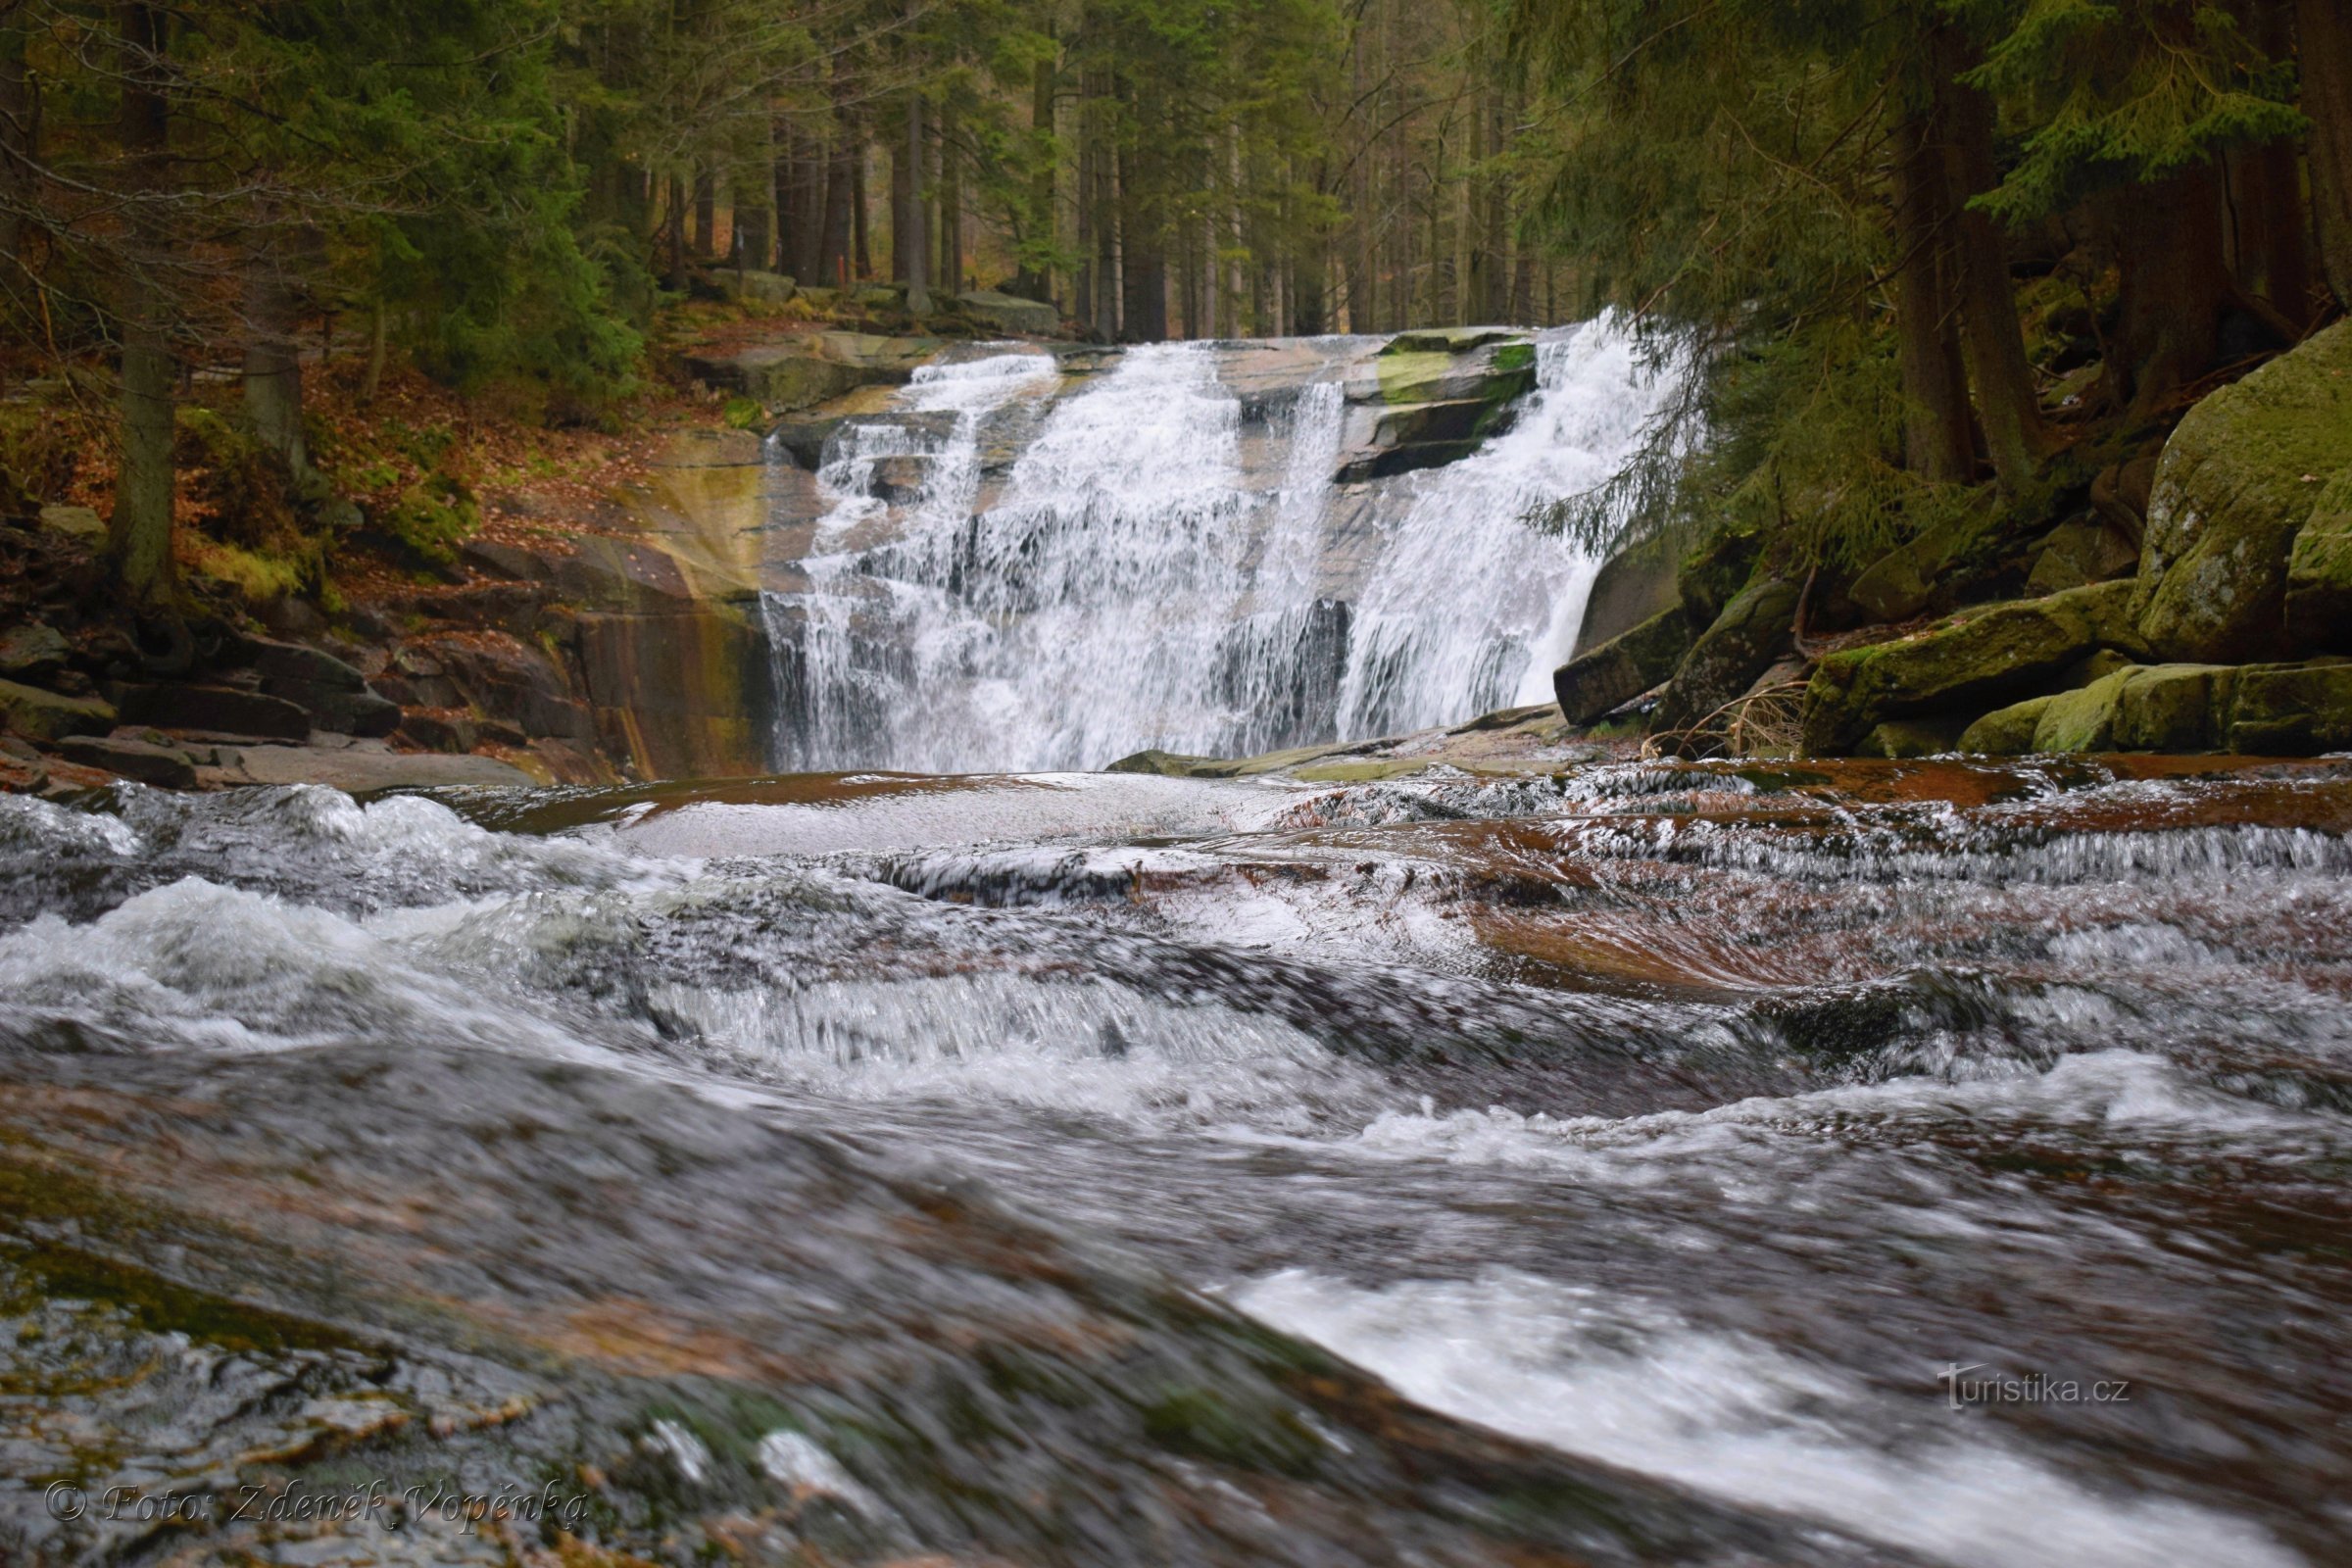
(1630, 1163)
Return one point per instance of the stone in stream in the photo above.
(1624, 668)
(2241, 476)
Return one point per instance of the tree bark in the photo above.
(2168, 241)
(1992, 341)
(844, 225)
(2324, 36)
(16, 154)
(139, 534)
(1938, 444)
(916, 263)
(273, 363)
(706, 215)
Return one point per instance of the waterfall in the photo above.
(1030, 565)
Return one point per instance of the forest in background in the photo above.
(1924, 251)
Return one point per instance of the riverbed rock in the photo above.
(356, 769)
(149, 764)
(2291, 710)
(2006, 731)
(1425, 435)
(1724, 661)
(46, 715)
(333, 693)
(2238, 478)
(2319, 573)
(1968, 662)
(1009, 314)
(1623, 668)
(224, 710)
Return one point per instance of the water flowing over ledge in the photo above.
(1025, 567)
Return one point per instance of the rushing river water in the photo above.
(1599, 1166)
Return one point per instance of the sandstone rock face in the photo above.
(1752, 631)
(800, 372)
(2000, 651)
(2238, 481)
(44, 715)
(1428, 399)
(1623, 668)
(2319, 573)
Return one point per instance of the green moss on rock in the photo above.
(2004, 651)
(2291, 710)
(2234, 488)
(2006, 731)
(2319, 573)
(1623, 668)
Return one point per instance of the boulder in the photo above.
(1167, 764)
(1633, 585)
(765, 288)
(1724, 661)
(1717, 569)
(2319, 573)
(1009, 313)
(1424, 435)
(2291, 710)
(1911, 738)
(2237, 480)
(1485, 370)
(33, 650)
(74, 522)
(1906, 580)
(2006, 731)
(800, 372)
(2080, 551)
(44, 715)
(1623, 668)
(221, 710)
(1963, 663)
(149, 764)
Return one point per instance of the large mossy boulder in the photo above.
(2160, 708)
(2238, 481)
(1623, 668)
(1712, 576)
(2006, 731)
(800, 372)
(1753, 630)
(1428, 399)
(1970, 661)
(1009, 313)
(2291, 710)
(1633, 585)
(2319, 573)
(1907, 579)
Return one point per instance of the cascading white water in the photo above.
(1162, 564)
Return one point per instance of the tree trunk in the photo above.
(1036, 279)
(1090, 157)
(706, 215)
(2169, 239)
(2323, 35)
(1992, 341)
(843, 226)
(861, 224)
(1938, 444)
(139, 534)
(951, 207)
(916, 263)
(676, 221)
(273, 362)
(16, 154)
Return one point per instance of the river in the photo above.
(1611, 1164)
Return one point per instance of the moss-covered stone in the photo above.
(1711, 575)
(2083, 719)
(2319, 573)
(1623, 668)
(2006, 731)
(2237, 482)
(1911, 737)
(1741, 643)
(1906, 580)
(1961, 665)
(2291, 710)
(42, 715)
